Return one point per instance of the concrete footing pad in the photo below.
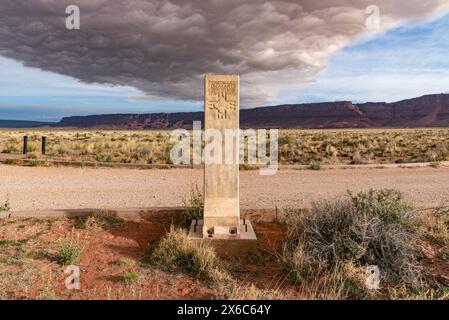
(241, 243)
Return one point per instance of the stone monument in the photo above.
(221, 224)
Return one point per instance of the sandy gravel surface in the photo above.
(39, 188)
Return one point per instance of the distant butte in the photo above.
(425, 111)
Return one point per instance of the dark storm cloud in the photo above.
(164, 47)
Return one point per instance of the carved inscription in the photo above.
(222, 98)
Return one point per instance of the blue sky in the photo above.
(403, 63)
(33, 94)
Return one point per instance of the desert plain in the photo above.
(148, 258)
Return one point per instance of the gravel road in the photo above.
(40, 188)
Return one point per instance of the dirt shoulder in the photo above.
(41, 188)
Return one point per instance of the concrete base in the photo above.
(237, 244)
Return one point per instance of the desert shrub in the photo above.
(69, 254)
(315, 165)
(194, 206)
(369, 228)
(5, 206)
(285, 139)
(175, 251)
(386, 204)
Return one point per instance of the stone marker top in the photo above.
(221, 100)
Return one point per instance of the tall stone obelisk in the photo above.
(221, 225)
(221, 178)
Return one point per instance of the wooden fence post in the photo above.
(44, 141)
(25, 144)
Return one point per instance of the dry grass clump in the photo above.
(345, 236)
(124, 261)
(233, 291)
(5, 206)
(98, 221)
(433, 225)
(47, 293)
(131, 277)
(176, 252)
(404, 293)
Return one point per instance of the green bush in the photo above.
(70, 253)
(131, 277)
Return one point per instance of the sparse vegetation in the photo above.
(70, 253)
(305, 147)
(139, 147)
(326, 252)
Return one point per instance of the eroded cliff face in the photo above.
(426, 111)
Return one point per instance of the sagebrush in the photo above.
(369, 228)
